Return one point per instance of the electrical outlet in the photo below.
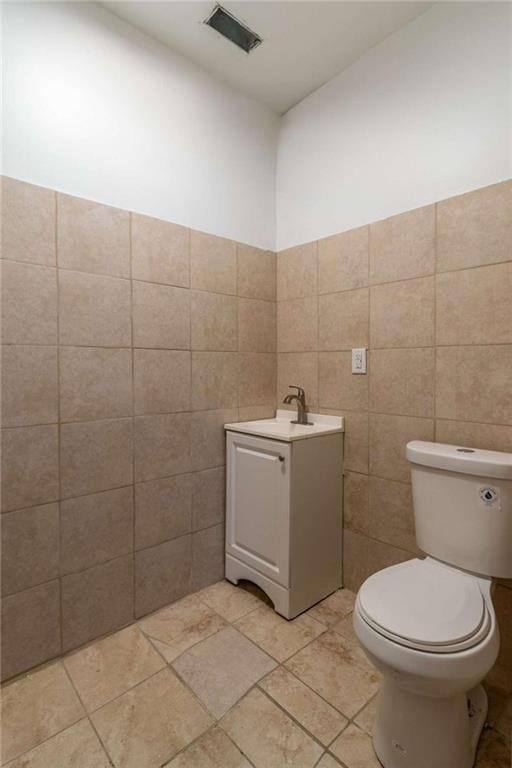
(359, 360)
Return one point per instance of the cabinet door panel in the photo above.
(258, 520)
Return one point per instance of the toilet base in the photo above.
(414, 731)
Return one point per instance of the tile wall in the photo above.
(127, 343)
(429, 292)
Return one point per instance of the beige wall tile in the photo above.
(97, 601)
(162, 574)
(207, 557)
(92, 237)
(402, 381)
(76, 747)
(312, 712)
(161, 316)
(23, 648)
(475, 228)
(474, 384)
(356, 502)
(403, 246)
(474, 306)
(212, 263)
(149, 724)
(391, 513)
(95, 383)
(30, 466)
(297, 325)
(95, 456)
(402, 314)
(222, 668)
(208, 498)
(257, 326)
(160, 251)
(214, 322)
(163, 510)
(106, 669)
(363, 556)
(355, 454)
(253, 412)
(36, 707)
(94, 311)
(300, 368)
(490, 437)
(29, 385)
(96, 528)
(213, 750)
(161, 445)
(388, 437)
(208, 439)
(257, 378)
(256, 272)
(343, 261)
(29, 304)
(273, 739)
(162, 380)
(297, 269)
(338, 386)
(343, 320)
(214, 380)
(28, 222)
(30, 547)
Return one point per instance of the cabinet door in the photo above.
(258, 513)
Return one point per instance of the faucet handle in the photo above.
(300, 391)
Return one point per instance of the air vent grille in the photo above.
(232, 29)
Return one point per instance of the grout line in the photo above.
(59, 436)
(134, 506)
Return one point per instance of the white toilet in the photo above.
(429, 625)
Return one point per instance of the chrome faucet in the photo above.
(300, 399)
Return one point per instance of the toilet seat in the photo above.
(425, 605)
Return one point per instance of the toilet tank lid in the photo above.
(456, 458)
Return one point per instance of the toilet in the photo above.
(429, 624)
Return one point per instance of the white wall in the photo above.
(94, 108)
(424, 115)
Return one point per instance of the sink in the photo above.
(281, 427)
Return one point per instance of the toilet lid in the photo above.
(425, 605)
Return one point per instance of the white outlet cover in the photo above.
(359, 360)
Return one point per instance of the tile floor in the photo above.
(216, 680)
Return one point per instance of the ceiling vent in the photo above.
(232, 29)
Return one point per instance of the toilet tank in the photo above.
(463, 506)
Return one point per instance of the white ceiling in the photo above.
(305, 44)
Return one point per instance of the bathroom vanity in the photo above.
(284, 508)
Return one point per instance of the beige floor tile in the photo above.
(229, 601)
(268, 737)
(328, 761)
(312, 712)
(334, 608)
(366, 717)
(76, 747)
(213, 750)
(36, 707)
(222, 668)
(345, 629)
(277, 636)
(354, 748)
(493, 751)
(504, 723)
(151, 723)
(109, 667)
(340, 674)
(178, 627)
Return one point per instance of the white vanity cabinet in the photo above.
(284, 509)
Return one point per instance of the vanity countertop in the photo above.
(281, 427)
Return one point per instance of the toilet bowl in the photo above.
(429, 624)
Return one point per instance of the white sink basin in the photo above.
(281, 427)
